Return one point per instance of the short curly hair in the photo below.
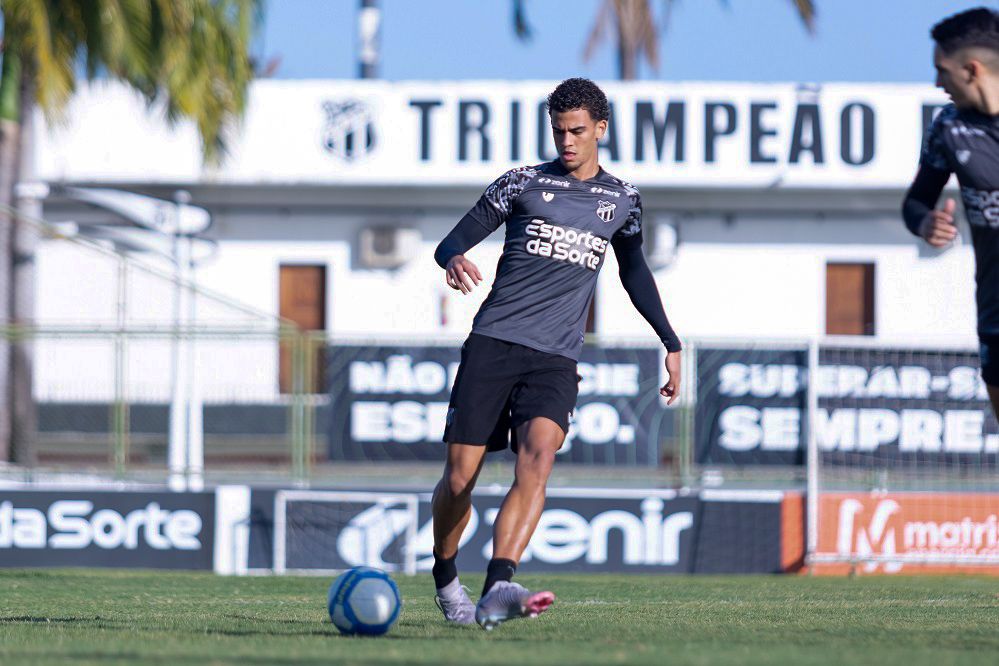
(579, 93)
(975, 27)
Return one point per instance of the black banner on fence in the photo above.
(390, 403)
(749, 406)
(156, 530)
(584, 530)
(877, 407)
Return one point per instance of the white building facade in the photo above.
(753, 194)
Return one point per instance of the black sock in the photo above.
(498, 569)
(444, 570)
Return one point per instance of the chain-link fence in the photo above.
(112, 398)
(127, 364)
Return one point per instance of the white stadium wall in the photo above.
(806, 176)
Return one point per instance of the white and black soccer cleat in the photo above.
(506, 601)
(454, 602)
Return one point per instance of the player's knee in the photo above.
(458, 484)
(537, 461)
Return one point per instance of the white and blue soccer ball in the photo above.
(364, 601)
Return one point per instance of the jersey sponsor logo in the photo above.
(605, 210)
(545, 180)
(964, 130)
(606, 192)
(981, 206)
(565, 244)
(963, 156)
(349, 132)
(547, 196)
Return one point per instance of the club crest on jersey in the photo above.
(605, 210)
(963, 156)
(547, 196)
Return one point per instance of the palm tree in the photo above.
(191, 56)
(637, 31)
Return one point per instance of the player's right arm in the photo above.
(936, 227)
(492, 209)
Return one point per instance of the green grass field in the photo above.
(89, 616)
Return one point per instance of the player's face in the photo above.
(955, 77)
(576, 135)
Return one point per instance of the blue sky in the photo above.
(708, 40)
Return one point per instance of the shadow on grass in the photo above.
(257, 618)
(21, 657)
(33, 619)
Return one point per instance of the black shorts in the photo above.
(501, 385)
(988, 354)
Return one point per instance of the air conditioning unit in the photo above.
(388, 247)
(661, 241)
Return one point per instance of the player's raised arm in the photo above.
(641, 287)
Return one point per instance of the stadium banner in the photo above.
(959, 530)
(349, 133)
(582, 530)
(749, 406)
(876, 407)
(390, 403)
(100, 528)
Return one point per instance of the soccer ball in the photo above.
(364, 601)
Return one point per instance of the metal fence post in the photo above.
(120, 412)
(297, 406)
(812, 460)
(688, 402)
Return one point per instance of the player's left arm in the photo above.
(641, 287)
(918, 208)
(936, 227)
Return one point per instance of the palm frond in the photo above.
(606, 16)
(521, 27)
(191, 56)
(806, 10)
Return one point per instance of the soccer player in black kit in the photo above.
(517, 379)
(964, 139)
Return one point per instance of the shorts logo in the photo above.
(605, 210)
(450, 416)
(963, 156)
(547, 196)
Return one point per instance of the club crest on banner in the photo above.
(349, 131)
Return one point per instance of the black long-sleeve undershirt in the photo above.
(468, 233)
(922, 196)
(641, 287)
(633, 270)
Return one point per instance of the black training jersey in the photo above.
(558, 232)
(966, 143)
